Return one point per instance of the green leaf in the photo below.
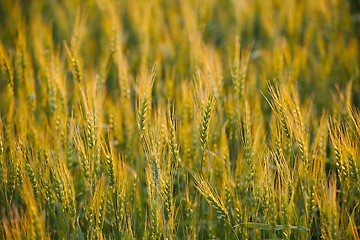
(80, 233)
(269, 227)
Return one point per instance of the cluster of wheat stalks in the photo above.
(179, 119)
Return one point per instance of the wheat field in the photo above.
(177, 119)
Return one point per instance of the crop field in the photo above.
(180, 119)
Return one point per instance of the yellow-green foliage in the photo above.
(174, 119)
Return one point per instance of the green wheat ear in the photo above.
(74, 64)
(142, 116)
(212, 197)
(204, 126)
(205, 123)
(173, 145)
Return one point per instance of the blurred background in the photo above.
(313, 43)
